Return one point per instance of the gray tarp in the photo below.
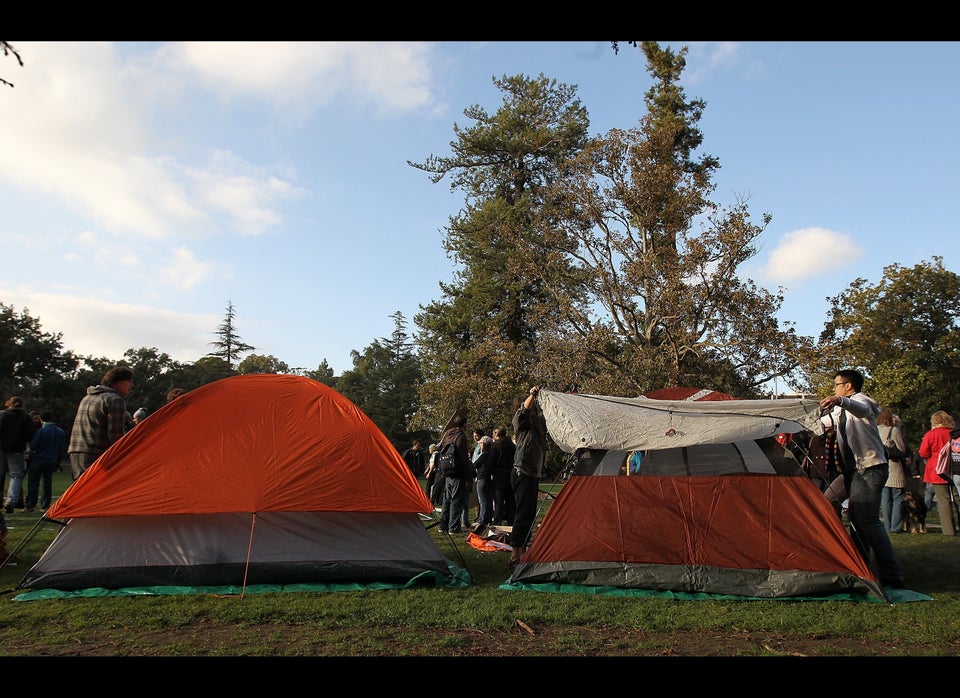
(640, 423)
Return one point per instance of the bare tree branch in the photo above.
(7, 50)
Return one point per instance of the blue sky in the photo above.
(146, 184)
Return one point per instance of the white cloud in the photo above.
(75, 131)
(392, 76)
(98, 327)
(241, 192)
(707, 59)
(809, 252)
(185, 271)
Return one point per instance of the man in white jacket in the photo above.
(854, 416)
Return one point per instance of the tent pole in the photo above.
(26, 539)
(246, 567)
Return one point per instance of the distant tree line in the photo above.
(35, 365)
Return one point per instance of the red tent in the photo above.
(749, 535)
(722, 529)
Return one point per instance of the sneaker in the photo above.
(30, 510)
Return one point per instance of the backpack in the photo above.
(446, 461)
(949, 454)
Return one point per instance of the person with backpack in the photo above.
(453, 462)
(941, 422)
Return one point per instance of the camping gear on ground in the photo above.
(251, 480)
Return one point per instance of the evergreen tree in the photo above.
(480, 340)
(384, 382)
(324, 374)
(228, 344)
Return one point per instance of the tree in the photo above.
(479, 342)
(324, 374)
(258, 363)
(204, 370)
(229, 347)
(632, 221)
(28, 355)
(903, 334)
(7, 51)
(153, 373)
(383, 383)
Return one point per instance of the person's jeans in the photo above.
(456, 496)
(956, 482)
(891, 503)
(16, 466)
(39, 472)
(863, 513)
(928, 496)
(484, 501)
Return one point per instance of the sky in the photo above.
(146, 185)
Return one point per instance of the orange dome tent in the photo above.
(255, 479)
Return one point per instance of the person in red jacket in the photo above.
(940, 425)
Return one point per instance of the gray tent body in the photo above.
(192, 550)
(704, 459)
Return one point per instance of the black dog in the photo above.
(914, 512)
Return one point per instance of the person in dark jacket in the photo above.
(16, 430)
(484, 481)
(414, 459)
(47, 448)
(456, 493)
(501, 465)
(101, 419)
(530, 430)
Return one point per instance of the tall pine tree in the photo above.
(480, 340)
(228, 343)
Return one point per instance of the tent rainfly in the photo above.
(250, 480)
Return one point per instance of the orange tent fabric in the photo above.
(253, 443)
(753, 535)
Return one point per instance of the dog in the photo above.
(914, 512)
